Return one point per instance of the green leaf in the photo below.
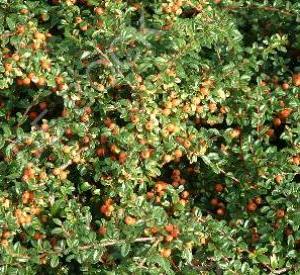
(125, 249)
(54, 261)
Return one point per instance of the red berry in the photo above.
(101, 152)
(277, 122)
(220, 211)
(214, 202)
(251, 206)
(280, 213)
(102, 230)
(219, 187)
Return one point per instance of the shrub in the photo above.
(149, 137)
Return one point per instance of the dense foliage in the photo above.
(149, 137)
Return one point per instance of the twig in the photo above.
(150, 249)
(277, 271)
(39, 117)
(229, 176)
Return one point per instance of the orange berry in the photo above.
(59, 80)
(169, 238)
(6, 234)
(186, 144)
(284, 114)
(26, 81)
(145, 154)
(165, 252)
(149, 126)
(130, 220)
(98, 10)
(166, 112)
(104, 209)
(26, 197)
(134, 119)
(169, 228)
(175, 232)
(296, 160)
(178, 153)
(171, 128)
(160, 186)
(20, 29)
(154, 230)
(204, 91)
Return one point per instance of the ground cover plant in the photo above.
(149, 137)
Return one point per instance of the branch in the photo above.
(23, 118)
(277, 271)
(116, 242)
(272, 9)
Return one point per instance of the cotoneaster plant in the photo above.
(149, 137)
